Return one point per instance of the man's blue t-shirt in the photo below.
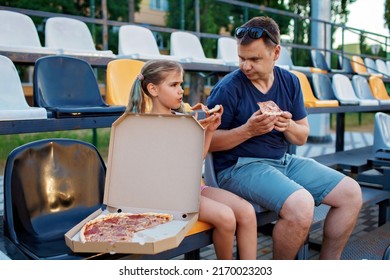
(239, 97)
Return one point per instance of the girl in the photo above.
(158, 90)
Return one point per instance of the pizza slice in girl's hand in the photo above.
(204, 108)
(269, 108)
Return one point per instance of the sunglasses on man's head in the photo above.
(253, 32)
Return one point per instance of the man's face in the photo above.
(257, 60)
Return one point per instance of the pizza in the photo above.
(270, 108)
(204, 108)
(120, 227)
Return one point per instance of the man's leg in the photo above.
(291, 231)
(345, 201)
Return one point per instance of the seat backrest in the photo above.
(345, 64)
(319, 61)
(17, 29)
(357, 64)
(61, 81)
(227, 50)
(13, 104)
(11, 90)
(308, 95)
(370, 65)
(361, 87)
(68, 33)
(284, 59)
(121, 74)
(135, 39)
(343, 88)
(382, 67)
(381, 144)
(50, 185)
(186, 45)
(322, 87)
(378, 88)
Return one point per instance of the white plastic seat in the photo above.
(19, 34)
(382, 67)
(138, 42)
(370, 65)
(187, 47)
(227, 50)
(72, 37)
(381, 144)
(13, 104)
(345, 93)
(362, 88)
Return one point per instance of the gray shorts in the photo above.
(270, 182)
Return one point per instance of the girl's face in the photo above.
(168, 94)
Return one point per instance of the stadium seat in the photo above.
(286, 62)
(319, 62)
(308, 96)
(359, 67)
(138, 42)
(370, 65)
(322, 87)
(382, 68)
(13, 104)
(378, 90)
(343, 90)
(362, 88)
(67, 87)
(188, 48)
(72, 37)
(227, 50)
(19, 34)
(381, 144)
(121, 74)
(48, 189)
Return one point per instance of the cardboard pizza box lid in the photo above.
(154, 164)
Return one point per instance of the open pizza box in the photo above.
(154, 165)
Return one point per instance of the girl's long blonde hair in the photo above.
(154, 71)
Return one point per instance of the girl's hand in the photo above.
(212, 122)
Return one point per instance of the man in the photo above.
(250, 148)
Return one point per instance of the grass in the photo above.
(354, 122)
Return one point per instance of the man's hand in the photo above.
(259, 124)
(283, 121)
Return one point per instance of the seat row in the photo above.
(325, 91)
(353, 65)
(72, 37)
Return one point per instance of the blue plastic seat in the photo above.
(50, 186)
(322, 87)
(67, 87)
(319, 61)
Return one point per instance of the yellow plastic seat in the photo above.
(308, 95)
(121, 74)
(378, 90)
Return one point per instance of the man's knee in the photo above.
(298, 209)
